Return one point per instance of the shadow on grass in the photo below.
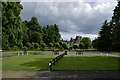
(40, 64)
(76, 63)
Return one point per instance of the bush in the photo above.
(25, 48)
(71, 47)
(50, 44)
(81, 45)
(28, 45)
(57, 45)
(20, 45)
(65, 46)
(43, 45)
(75, 47)
(15, 48)
(36, 45)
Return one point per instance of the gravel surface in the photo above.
(71, 75)
(79, 74)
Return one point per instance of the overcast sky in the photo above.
(82, 17)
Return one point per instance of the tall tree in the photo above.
(35, 31)
(104, 39)
(51, 34)
(116, 27)
(11, 24)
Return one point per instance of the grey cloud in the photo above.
(84, 18)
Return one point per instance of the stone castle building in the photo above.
(73, 41)
(76, 41)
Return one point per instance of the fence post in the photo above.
(50, 65)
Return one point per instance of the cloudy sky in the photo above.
(81, 17)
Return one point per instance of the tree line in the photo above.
(109, 35)
(17, 34)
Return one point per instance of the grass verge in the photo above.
(29, 62)
(88, 63)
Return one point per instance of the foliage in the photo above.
(51, 34)
(81, 45)
(25, 33)
(36, 45)
(57, 45)
(28, 45)
(43, 45)
(109, 35)
(65, 46)
(87, 42)
(50, 44)
(116, 28)
(75, 47)
(104, 39)
(95, 43)
(11, 23)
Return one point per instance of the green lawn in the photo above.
(29, 62)
(69, 62)
(87, 63)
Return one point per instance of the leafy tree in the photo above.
(75, 47)
(34, 31)
(87, 42)
(34, 25)
(28, 45)
(71, 47)
(50, 44)
(36, 38)
(20, 45)
(25, 32)
(51, 34)
(65, 46)
(11, 24)
(43, 45)
(36, 45)
(57, 45)
(81, 45)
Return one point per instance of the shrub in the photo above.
(65, 46)
(43, 45)
(28, 45)
(50, 44)
(75, 47)
(36, 45)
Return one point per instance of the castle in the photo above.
(73, 41)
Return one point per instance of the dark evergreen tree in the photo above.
(104, 39)
(116, 28)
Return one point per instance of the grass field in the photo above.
(88, 63)
(69, 62)
(29, 62)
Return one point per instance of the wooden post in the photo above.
(50, 65)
